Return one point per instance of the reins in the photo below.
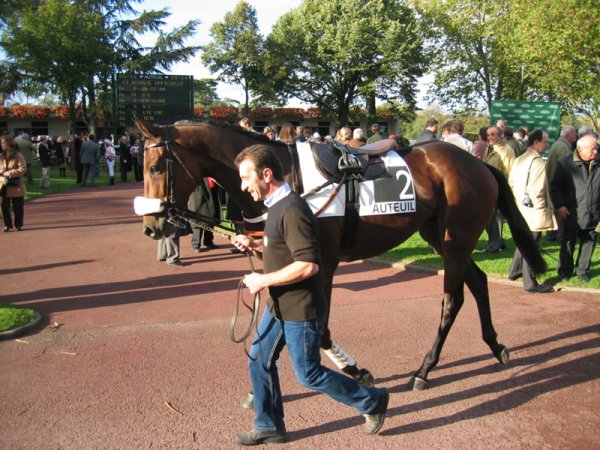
(176, 215)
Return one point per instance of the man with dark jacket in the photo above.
(575, 192)
(430, 131)
(88, 158)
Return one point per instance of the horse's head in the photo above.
(162, 166)
(177, 157)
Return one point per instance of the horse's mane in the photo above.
(230, 127)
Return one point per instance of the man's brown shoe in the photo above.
(259, 438)
(374, 420)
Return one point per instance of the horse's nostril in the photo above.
(148, 231)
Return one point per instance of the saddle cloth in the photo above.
(388, 190)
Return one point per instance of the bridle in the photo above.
(177, 216)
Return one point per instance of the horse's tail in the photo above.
(518, 226)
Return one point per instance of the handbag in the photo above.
(12, 181)
(527, 202)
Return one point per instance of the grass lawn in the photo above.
(416, 250)
(58, 183)
(12, 317)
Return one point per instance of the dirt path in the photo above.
(134, 333)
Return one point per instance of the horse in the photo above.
(455, 196)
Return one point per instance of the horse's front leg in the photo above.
(476, 281)
(451, 305)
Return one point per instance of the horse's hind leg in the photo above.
(451, 305)
(338, 356)
(476, 281)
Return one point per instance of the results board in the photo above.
(160, 99)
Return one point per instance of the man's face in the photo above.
(253, 184)
(494, 135)
(587, 149)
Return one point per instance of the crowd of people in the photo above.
(81, 153)
(559, 196)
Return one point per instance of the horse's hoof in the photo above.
(503, 356)
(418, 384)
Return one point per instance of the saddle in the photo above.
(334, 160)
(339, 162)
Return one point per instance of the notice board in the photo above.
(517, 114)
(160, 99)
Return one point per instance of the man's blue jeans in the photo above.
(302, 340)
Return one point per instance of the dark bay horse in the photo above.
(455, 196)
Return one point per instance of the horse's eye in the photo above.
(154, 170)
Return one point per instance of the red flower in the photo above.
(292, 113)
(313, 113)
(29, 112)
(199, 112)
(260, 113)
(227, 112)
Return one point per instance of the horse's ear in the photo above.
(148, 130)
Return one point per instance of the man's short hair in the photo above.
(567, 129)
(456, 127)
(431, 122)
(375, 127)
(263, 157)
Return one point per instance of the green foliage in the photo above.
(73, 48)
(469, 64)
(333, 54)
(205, 92)
(57, 45)
(236, 49)
(556, 42)
(12, 317)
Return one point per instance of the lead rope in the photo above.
(177, 216)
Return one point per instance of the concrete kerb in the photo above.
(414, 267)
(23, 329)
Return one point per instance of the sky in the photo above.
(209, 12)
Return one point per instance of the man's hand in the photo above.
(563, 212)
(245, 243)
(255, 282)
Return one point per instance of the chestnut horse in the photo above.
(455, 196)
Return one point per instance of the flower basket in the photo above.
(386, 113)
(290, 113)
(62, 111)
(260, 113)
(313, 113)
(224, 113)
(29, 112)
(199, 112)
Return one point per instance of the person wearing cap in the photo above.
(26, 149)
(376, 136)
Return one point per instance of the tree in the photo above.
(469, 63)
(236, 50)
(205, 92)
(58, 46)
(553, 41)
(334, 54)
(74, 47)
